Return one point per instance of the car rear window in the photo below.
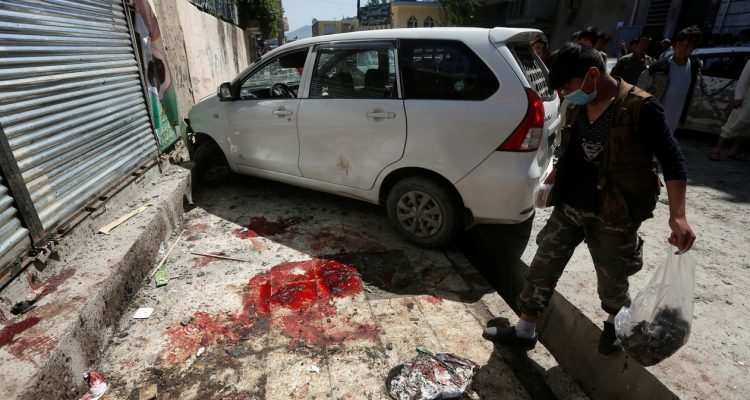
(532, 68)
(444, 70)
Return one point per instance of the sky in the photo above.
(301, 12)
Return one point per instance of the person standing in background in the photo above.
(630, 66)
(672, 80)
(737, 126)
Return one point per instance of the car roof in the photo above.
(495, 34)
(720, 50)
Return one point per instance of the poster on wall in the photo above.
(162, 96)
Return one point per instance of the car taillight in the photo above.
(528, 134)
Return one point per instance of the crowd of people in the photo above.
(655, 67)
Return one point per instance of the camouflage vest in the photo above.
(628, 182)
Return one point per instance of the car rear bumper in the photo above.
(500, 189)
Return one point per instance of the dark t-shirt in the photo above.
(587, 142)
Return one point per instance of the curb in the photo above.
(87, 335)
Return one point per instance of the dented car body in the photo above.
(446, 127)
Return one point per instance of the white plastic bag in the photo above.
(658, 321)
(541, 191)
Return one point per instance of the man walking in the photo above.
(630, 66)
(672, 80)
(605, 185)
(737, 126)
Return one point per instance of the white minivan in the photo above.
(445, 127)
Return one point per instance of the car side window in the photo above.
(354, 73)
(285, 69)
(444, 70)
(726, 66)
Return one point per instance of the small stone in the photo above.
(186, 321)
(148, 393)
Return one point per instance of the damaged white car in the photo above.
(445, 127)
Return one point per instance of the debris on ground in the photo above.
(430, 376)
(220, 255)
(162, 277)
(650, 342)
(166, 256)
(97, 386)
(143, 313)
(23, 307)
(114, 224)
(148, 393)
(200, 352)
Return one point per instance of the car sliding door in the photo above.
(352, 123)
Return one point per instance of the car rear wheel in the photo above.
(210, 164)
(424, 211)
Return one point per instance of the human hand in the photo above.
(682, 235)
(736, 103)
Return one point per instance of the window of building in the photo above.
(412, 22)
(355, 73)
(329, 29)
(445, 70)
(429, 22)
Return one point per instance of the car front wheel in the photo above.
(424, 212)
(210, 164)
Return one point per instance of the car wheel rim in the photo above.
(419, 214)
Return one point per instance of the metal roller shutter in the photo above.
(71, 100)
(14, 238)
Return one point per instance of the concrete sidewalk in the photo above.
(44, 352)
(326, 300)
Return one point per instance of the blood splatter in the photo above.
(30, 349)
(10, 332)
(434, 300)
(202, 261)
(297, 295)
(199, 228)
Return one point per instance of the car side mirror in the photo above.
(225, 92)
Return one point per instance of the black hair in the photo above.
(573, 60)
(592, 35)
(691, 33)
(643, 37)
(605, 36)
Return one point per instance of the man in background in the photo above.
(672, 80)
(629, 67)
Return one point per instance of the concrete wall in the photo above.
(202, 50)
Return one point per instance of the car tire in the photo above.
(424, 211)
(210, 164)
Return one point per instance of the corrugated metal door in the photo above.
(14, 238)
(71, 100)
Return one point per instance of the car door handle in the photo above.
(282, 113)
(388, 115)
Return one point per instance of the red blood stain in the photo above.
(300, 296)
(9, 332)
(192, 238)
(202, 261)
(408, 304)
(434, 300)
(51, 285)
(200, 228)
(31, 349)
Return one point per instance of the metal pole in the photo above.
(17, 187)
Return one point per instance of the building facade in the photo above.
(622, 19)
(321, 27)
(400, 14)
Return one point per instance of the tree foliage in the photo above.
(267, 12)
(458, 12)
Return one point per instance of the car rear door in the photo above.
(352, 123)
(532, 71)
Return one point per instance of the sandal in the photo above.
(714, 156)
(737, 157)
